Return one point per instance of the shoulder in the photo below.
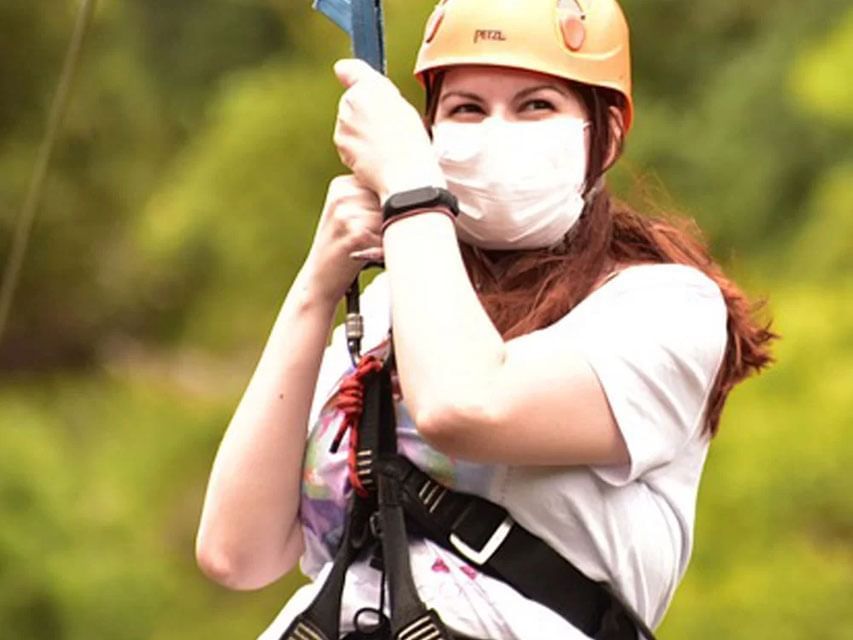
(655, 336)
(667, 315)
(657, 278)
(658, 295)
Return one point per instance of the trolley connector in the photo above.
(354, 322)
(354, 326)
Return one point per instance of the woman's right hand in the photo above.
(348, 235)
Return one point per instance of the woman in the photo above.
(556, 352)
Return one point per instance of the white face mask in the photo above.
(519, 184)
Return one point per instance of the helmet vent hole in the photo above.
(574, 32)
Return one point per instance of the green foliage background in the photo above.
(188, 179)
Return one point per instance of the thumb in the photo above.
(351, 70)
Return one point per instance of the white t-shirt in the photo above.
(655, 335)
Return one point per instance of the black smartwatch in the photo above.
(424, 198)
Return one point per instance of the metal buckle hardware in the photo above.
(481, 556)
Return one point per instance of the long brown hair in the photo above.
(538, 287)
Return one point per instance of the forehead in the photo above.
(491, 80)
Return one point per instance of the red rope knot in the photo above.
(350, 401)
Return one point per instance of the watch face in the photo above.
(417, 197)
(422, 198)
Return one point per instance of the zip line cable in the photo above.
(26, 217)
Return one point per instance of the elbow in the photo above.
(457, 428)
(239, 570)
(225, 569)
(432, 425)
(220, 567)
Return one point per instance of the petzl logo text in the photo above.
(489, 34)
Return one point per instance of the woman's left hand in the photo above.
(380, 136)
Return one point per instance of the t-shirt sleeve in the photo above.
(376, 311)
(655, 343)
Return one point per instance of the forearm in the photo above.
(248, 534)
(447, 347)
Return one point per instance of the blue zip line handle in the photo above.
(362, 20)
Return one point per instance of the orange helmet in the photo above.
(581, 40)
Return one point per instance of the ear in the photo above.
(616, 122)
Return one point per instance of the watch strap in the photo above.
(414, 212)
(421, 199)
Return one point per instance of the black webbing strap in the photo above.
(410, 619)
(484, 534)
(321, 620)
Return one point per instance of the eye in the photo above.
(538, 104)
(466, 107)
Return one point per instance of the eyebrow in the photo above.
(520, 95)
(461, 94)
(553, 87)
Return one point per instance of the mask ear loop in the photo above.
(590, 192)
(589, 195)
(596, 188)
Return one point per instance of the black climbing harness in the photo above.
(391, 498)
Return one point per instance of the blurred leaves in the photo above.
(775, 526)
(821, 78)
(237, 196)
(190, 174)
(100, 493)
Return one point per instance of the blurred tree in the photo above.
(714, 119)
(775, 522)
(33, 36)
(820, 81)
(245, 196)
(190, 46)
(81, 282)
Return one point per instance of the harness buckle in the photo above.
(375, 525)
(482, 556)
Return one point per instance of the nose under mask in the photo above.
(519, 184)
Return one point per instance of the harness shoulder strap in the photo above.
(410, 619)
